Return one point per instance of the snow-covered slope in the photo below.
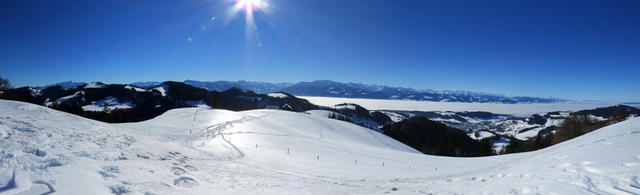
(205, 151)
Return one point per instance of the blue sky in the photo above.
(582, 49)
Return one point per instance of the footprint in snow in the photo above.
(191, 168)
(586, 162)
(591, 170)
(178, 171)
(186, 182)
(106, 174)
(111, 169)
(120, 189)
(635, 180)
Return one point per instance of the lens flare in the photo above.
(251, 5)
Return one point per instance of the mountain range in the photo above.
(127, 103)
(327, 88)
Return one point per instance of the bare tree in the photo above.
(620, 114)
(5, 84)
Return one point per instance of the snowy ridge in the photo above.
(163, 90)
(65, 85)
(278, 95)
(74, 95)
(345, 106)
(134, 88)
(204, 151)
(94, 85)
(111, 103)
(327, 88)
(394, 116)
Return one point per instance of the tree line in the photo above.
(435, 138)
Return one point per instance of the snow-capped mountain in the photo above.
(204, 151)
(146, 84)
(66, 85)
(327, 88)
(258, 87)
(128, 103)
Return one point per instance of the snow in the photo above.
(321, 113)
(35, 92)
(277, 95)
(94, 85)
(325, 114)
(480, 135)
(205, 151)
(111, 102)
(522, 110)
(348, 106)
(446, 120)
(164, 89)
(515, 128)
(394, 116)
(65, 98)
(134, 88)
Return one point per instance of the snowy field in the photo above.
(209, 151)
(498, 108)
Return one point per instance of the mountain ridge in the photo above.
(329, 88)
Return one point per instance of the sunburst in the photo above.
(250, 5)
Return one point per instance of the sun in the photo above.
(249, 8)
(250, 5)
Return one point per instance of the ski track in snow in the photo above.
(201, 151)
